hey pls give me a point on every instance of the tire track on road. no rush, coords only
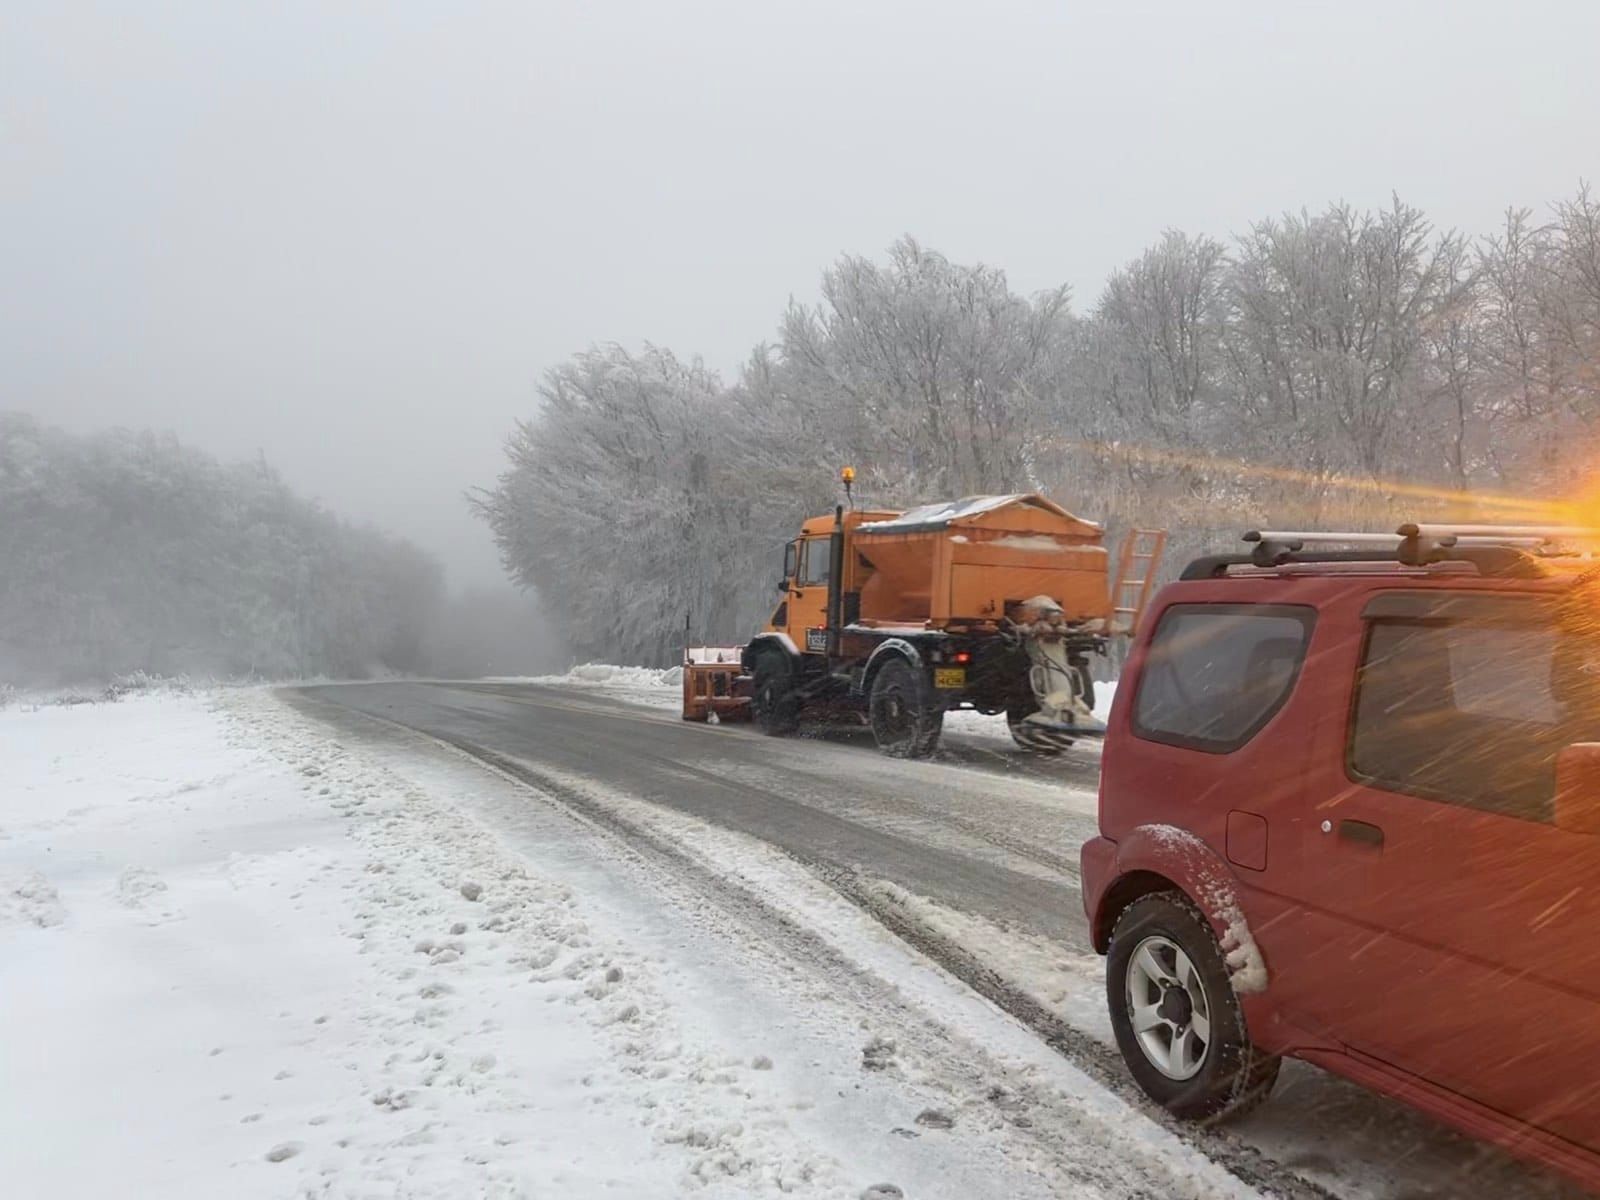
(1095, 1060)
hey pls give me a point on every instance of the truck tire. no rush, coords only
(905, 716)
(772, 699)
(1175, 1015)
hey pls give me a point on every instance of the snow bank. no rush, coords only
(616, 676)
(250, 962)
(1068, 983)
(254, 958)
(655, 685)
(923, 1032)
(137, 683)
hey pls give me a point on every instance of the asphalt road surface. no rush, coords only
(984, 829)
(1000, 841)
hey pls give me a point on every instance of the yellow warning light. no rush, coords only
(847, 474)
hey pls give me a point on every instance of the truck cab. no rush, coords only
(802, 612)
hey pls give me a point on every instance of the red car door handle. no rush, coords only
(1361, 831)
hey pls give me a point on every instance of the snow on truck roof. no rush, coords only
(949, 512)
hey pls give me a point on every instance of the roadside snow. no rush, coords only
(659, 687)
(970, 1063)
(1067, 983)
(251, 969)
(254, 958)
(251, 956)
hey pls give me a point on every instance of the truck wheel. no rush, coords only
(776, 708)
(906, 719)
(1175, 1015)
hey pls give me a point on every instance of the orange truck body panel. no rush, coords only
(967, 571)
(960, 564)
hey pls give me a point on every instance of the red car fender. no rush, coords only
(1148, 854)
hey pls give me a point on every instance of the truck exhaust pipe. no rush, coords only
(836, 580)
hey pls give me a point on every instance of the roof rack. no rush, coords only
(1506, 550)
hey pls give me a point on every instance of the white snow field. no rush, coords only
(242, 955)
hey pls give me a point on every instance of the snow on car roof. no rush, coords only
(937, 516)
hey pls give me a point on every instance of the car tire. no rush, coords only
(772, 700)
(905, 716)
(1176, 1018)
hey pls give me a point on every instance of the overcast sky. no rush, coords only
(352, 236)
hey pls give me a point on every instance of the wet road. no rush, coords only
(1000, 841)
(983, 829)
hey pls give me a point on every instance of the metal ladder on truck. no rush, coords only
(1136, 576)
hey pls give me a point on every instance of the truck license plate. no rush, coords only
(950, 677)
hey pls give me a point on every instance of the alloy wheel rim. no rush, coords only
(1168, 1008)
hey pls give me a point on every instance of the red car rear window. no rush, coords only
(1215, 674)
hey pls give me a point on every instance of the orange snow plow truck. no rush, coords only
(991, 603)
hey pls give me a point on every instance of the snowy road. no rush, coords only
(970, 859)
(505, 940)
(1005, 849)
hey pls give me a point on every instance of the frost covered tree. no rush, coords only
(1147, 373)
(935, 377)
(1578, 298)
(1453, 345)
(1163, 318)
(626, 502)
(1329, 312)
(1338, 367)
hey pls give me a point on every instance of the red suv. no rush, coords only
(1350, 812)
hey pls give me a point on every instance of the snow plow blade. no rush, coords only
(715, 687)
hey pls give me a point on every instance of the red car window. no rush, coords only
(1215, 674)
(1467, 711)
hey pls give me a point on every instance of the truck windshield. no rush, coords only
(816, 562)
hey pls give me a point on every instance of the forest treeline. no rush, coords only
(1338, 368)
(125, 552)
